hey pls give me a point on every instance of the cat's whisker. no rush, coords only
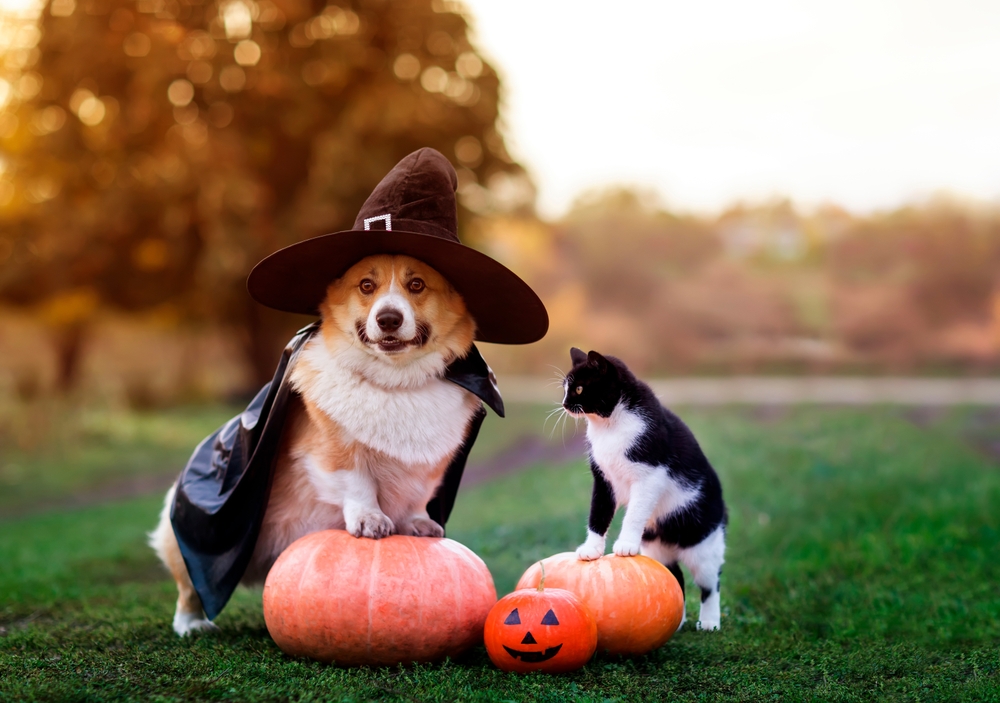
(548, 417)
(555, 425)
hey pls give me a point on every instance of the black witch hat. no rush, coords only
(412, 212)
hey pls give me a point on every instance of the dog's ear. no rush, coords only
(577, 356)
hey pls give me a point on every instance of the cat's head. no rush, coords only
(593, 386)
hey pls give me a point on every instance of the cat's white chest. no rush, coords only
(610, 439)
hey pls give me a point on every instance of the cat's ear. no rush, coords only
(577, 356)
(598, 362)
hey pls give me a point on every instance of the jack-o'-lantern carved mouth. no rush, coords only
(533, 657)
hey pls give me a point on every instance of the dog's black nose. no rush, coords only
(389, 320)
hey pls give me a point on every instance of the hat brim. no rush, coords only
(296, 278)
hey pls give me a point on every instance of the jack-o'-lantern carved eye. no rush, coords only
(550, 618)
(513, 619)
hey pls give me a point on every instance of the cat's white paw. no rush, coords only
(423, 527)
(624, 548)
(589, 552)
(187, 623)
(708, 624)
(373, 523)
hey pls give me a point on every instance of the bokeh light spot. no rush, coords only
(180, 92)
(247, 53)
(186, 115)
(469, 151)
(232, 79)
(29, 85)
(468, 65)
(136, 44)
(91, 111)
(62, 8)
(198, 45)
(434, 79)
(48, 120)
(406, 67)
(237, 20)
(440, 44)
(42, 189)
(6, 93)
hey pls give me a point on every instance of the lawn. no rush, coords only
(863, 564)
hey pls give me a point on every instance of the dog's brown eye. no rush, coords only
(367, 286)
(416, 285)
(579, 390)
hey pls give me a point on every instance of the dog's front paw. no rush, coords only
(624, 548)
(589, 552)
(374, 524)
(187, 623)
(423, 527)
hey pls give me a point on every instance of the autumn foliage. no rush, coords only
(151, 151)
(155, 150)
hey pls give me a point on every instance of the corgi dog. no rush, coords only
(376, 424)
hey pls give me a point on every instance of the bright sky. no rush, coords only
(868, 103)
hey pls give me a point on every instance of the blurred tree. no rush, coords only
(171, 144)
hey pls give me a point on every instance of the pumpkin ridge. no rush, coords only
(372, 579)
(310, 561)
(421, 578)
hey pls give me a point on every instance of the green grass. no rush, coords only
(863, 564)
(51, 452)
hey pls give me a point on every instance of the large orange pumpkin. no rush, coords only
(636, 601)
(334, 597)
(540, 629)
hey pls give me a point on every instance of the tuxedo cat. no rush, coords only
(644, 457)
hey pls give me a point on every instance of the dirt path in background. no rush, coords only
(982, 432)
(104, 493)
(524, 452)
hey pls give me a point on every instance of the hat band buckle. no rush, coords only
(387, 218)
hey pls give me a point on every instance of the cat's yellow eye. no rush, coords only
(579, 390)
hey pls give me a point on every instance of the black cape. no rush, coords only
(222, 493)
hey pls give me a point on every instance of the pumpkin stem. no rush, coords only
(541, 582)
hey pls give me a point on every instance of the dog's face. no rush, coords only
(398, 309)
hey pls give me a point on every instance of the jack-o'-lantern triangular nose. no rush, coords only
(528, 639)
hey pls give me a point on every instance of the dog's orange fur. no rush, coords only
(313, 438)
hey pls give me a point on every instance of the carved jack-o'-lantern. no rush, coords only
(540, 630)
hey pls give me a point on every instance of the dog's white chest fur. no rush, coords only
(422, 425)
